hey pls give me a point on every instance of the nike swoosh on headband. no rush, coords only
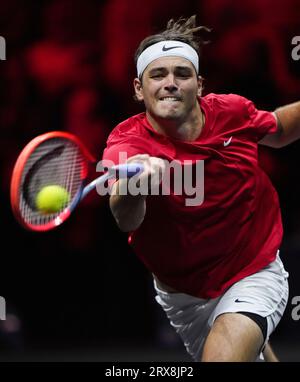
(237, 300)
(165, 49)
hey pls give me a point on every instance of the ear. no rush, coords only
(200, 86)
(138, 88)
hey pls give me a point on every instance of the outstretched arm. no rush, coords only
(288, 121)
(129, 210)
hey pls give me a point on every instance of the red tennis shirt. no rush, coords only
(202, 250)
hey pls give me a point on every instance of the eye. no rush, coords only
(156, 76)
(184, 75)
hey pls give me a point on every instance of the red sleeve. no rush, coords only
(117, 152)
(263, 122)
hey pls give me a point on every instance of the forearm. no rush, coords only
(289, 123)
(129, 211)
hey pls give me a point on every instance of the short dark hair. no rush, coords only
(184, 30)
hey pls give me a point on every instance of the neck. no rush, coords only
(187, 130)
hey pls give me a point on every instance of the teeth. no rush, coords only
(169, 99)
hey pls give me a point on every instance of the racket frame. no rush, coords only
(18, 174)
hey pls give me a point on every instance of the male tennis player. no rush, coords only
(216, 265)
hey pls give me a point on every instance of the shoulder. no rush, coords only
(129, 128)
(225, 102)
(129, 135)
(227, 112)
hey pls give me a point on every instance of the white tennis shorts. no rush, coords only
(264, 293)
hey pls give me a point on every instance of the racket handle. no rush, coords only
(120, 171)
(126, 170)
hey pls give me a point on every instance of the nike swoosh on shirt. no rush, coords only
(165, 49)
(237, 300)
(226, 143)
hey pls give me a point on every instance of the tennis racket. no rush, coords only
(60, 159)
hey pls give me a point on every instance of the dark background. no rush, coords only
(79, 293)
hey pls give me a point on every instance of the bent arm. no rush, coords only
(288, 122)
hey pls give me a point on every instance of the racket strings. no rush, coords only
(54, 162)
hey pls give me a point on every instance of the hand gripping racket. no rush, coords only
(60, 159)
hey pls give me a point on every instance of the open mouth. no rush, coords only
(170, 99)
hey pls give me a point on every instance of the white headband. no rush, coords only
(165, 49)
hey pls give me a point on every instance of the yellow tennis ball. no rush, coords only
(51, 199)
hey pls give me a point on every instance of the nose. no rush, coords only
(170, 84)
